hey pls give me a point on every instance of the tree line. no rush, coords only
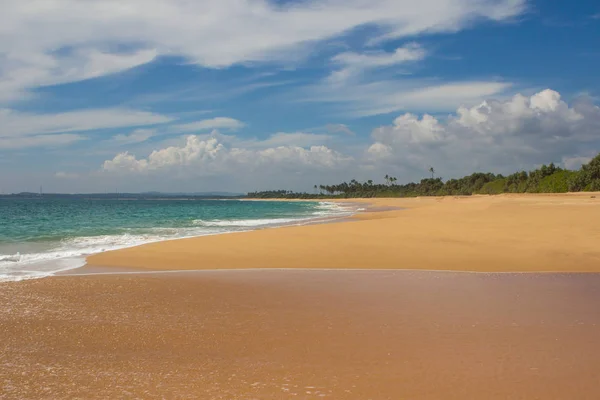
(546, 179)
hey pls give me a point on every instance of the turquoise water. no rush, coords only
(39, 237)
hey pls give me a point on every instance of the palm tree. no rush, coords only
(315, 187)
(387, 179)
(432, 171)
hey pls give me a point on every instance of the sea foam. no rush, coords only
(70, 253)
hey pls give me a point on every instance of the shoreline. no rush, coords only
(93, 270)
(63, 264)
(315, 220)
(506, 233)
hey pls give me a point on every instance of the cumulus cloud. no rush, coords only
(70, 40)
(497, 135)
(501, 136)
(410, 129)
(209, 156)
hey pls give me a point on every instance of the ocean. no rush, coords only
(40, 237)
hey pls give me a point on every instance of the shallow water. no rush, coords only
(39, 237)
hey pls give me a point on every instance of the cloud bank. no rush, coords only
(201, 158)
(499, 136)
(502, 136)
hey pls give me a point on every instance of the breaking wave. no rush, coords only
(46, 259)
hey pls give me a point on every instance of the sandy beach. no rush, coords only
(481, 233)
(266, 315)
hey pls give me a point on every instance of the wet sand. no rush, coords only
(302, 335)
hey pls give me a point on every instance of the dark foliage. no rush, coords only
(546, 179)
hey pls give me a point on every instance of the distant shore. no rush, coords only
(505, 233)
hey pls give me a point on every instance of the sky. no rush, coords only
(242, 95)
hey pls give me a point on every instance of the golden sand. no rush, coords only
(343, 335)
(479, 233)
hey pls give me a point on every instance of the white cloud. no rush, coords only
(408, 128)
(365, 98)
(357, 91)
(447, 14)
(67, 40)
(374, 59)
(47, 141)
(208, 124)
(339, 128)
(14, 123)
(137, 136)
(97, 63)
(352, 63)
(542, 112)
(501, 136)
(296, 139)
(209, 156)
(379, 151)
(23, 70)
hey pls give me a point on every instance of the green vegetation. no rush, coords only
(494, 187)
(546, 179)
(557, 182)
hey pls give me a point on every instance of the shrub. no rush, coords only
(493, 187)
(594, 186)
(558, 182)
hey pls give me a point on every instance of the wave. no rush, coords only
(11, 258)
(248, 222)
(70, 253)
(323, 209)
(336, 209)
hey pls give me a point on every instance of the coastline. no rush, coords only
(506, 233)
(317, 329)
(43, 259)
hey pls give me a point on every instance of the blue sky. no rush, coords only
(241, 95)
